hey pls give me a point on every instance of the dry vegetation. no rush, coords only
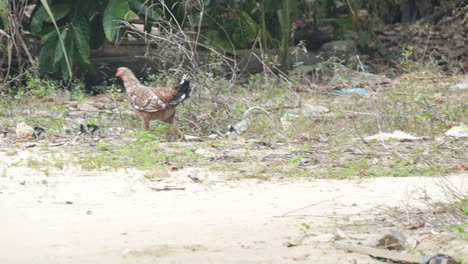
(283, 139)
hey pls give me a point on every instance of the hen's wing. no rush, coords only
(145, 99)
(151, 99)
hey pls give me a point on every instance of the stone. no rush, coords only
(205, 153)
(397, 240)
(87, 107)
(11, 152)
(310, 110)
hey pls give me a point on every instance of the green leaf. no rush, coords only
(38, 19)
(363, 38)
(47, 51)
(144, 10)
(81, 35)
(88, 7)
(41, 16)
(59, 11)
(115, 10)
(51, 15)
(59, 50)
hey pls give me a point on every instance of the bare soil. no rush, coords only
(71, 215)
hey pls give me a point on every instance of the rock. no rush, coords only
(73, 104)
(76, 114)
(205, 153)
(369, 240)
(239, 128)
(11, 152)
(342, 49)
(364, 78)
(87, 107)
(396, 240)
(213, 136)
(345, 77)
(340, 234)
(322, 238)
(310, 110)
(190, 138)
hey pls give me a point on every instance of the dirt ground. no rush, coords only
(72, 215)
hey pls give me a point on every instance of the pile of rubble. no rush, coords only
(445, 41)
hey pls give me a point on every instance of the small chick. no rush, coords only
(24, 131)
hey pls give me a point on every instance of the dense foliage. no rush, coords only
(69, 29)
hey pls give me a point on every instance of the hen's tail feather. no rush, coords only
(183, 90)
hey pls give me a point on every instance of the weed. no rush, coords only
(305, 228)
(462, 230)
(78, 91)
(405, 60)
(39, 88)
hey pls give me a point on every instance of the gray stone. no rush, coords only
(321, 238)
(342, 49)
(308, 109)
(396, 240)
(11, 152)
(87, 107)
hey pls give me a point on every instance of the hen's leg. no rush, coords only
(173, 129)
(145, 124)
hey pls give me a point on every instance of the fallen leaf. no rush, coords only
(301, 257)
(289, 244)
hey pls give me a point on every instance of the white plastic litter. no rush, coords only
(396, 135)
(458, 132)
(459, 86)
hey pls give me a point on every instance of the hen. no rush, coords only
(154, 103)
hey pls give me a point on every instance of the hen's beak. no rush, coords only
(119, 73)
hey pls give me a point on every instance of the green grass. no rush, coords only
(143, 153)
(321, 144)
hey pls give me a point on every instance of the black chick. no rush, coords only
(38, 131)
(310, 34)
(92, 128)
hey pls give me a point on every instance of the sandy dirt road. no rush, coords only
(74, 216)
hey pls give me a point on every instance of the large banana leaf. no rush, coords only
(61, 41)
(116, 10)
(81, 36)
(59, 11)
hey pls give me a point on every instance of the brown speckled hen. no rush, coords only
(152, 103)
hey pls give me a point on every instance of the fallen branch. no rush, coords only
(167, 188)
(387, 254)
(310, 205)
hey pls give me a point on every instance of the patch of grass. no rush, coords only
(394, 168)
(142, 152)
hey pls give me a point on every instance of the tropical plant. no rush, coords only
(69, 29)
